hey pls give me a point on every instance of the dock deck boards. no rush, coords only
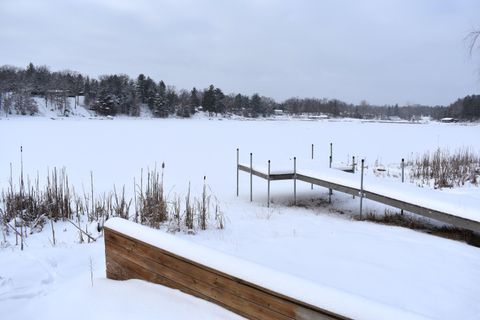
(349, 186)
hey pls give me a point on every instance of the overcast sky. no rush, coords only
(381, 51)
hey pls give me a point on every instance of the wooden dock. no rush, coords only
(128, 257)
(452, 218)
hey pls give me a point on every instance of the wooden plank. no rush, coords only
(134, 247)
(198, 288)
(224, 283)
(131, 270)
(240, 296)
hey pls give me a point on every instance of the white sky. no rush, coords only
(382, 51)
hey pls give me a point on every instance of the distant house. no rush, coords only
(448, 120)
(318, 117)
(394, 118)
(278, 112)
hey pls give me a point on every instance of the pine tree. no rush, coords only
(194, 100)
(219, 106)
(257, 106)
(140, 88)
(160, 108)
(106, 105)
(208, 101)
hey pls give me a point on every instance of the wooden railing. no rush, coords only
(131, 258)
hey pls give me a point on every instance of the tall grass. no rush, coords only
(444, 169)
(26, 209)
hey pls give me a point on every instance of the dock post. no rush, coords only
(403, 170)
(353, 168)
(295, 180)
(311, 185)
(403, 178)
(330, 166)
(361, 189)
(268, 190)
(238, 162)
(251, 178)
(331, 154)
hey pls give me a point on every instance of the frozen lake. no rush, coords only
(413, 271)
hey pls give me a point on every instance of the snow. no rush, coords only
(460, 205)
(463, 205)
(51, 111)
(401, 269)
(327, 298)
(44, 282)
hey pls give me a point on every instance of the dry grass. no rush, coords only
(29, 207)
(445, 169)
(420, 224)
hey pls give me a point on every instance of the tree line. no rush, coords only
(120, 94)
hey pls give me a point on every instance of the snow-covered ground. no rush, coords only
(415, 272)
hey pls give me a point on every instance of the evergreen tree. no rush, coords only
(171, 98)
(87, 92)
(106, 105)
(219, 106)
(140, 88)
(208, 101)
(257, 106)
(162, 88)
(194, 100)
(160, 109)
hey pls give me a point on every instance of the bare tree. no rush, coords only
(473, 39)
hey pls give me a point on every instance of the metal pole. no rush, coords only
(251, 178)
(353, 169)
(403, 178)
(311, 185)
(295, 180)
(330, 166)
(403, 170)
(331, 154)
(361, 189)
(268, 192)
(238, 162)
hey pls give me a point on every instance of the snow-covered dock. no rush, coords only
(462, 211)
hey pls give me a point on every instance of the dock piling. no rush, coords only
(311, 185)
(238, 174)
(361, 188)
(403, 178)
(295, 180)
(251, 178)
(268, 190)
(330, 166)
(331, 154)
(353, 168)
